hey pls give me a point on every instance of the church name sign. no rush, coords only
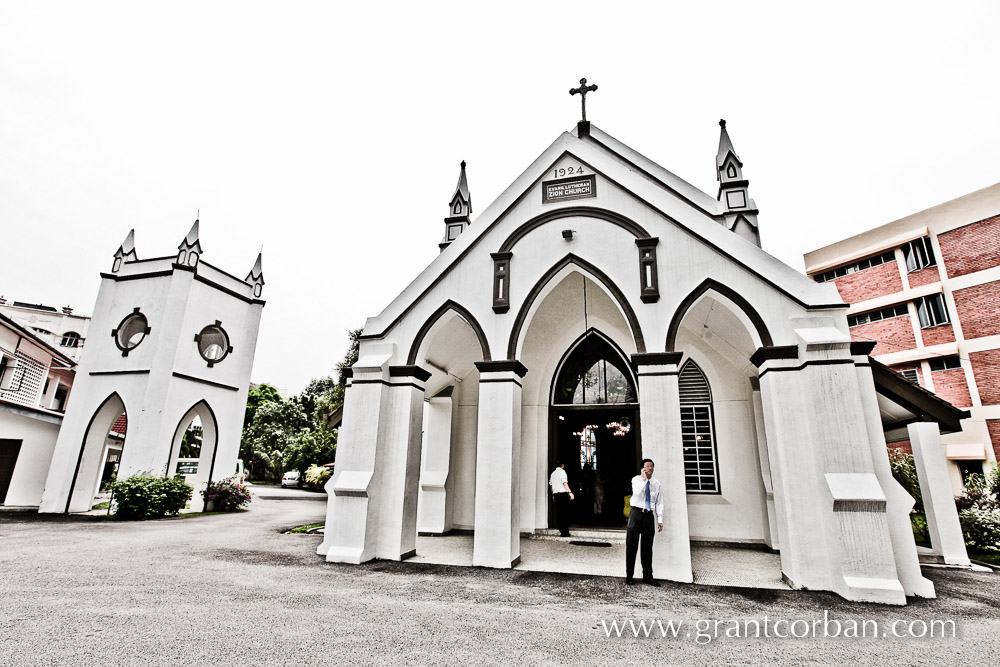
(563, 189)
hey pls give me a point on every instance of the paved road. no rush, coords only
(233, 589)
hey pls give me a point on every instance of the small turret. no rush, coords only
(459, 210)
(189, 251)
(741, 211)
(256, 277)
(125, 252)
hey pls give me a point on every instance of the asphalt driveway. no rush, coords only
(235, 589)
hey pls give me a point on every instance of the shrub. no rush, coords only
(918, 522)
(905, 472)
(981, 527)
(143, 496)
(316, 476)
(228, 494)
(977, 494)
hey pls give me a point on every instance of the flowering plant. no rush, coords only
(228, 494)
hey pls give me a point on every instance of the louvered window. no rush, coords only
(701, 473)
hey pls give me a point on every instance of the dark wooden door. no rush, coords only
(8, 459)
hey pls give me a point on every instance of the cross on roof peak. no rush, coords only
(583, 90)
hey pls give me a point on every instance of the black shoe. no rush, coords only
(564, 535)
(630, 581)
(652, 582)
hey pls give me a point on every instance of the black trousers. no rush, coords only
(562, 512)
(641, 527)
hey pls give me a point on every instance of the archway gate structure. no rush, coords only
(448, 415)
(172, 338)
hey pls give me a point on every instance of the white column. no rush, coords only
(898, 501)
(351, 523)
(769, 512)
(497, 539)
(432, 516)
(398, 463)
(831, 508)
(939, 503)
(660, 429)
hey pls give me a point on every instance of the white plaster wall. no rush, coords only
(735, 513)
(461, 485)
(38, 438)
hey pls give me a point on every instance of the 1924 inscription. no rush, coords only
(569, 188)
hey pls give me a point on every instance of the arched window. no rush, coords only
(70, 339)
(594, 374)
(701, 471)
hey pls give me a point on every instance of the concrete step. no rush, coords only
(589, 535)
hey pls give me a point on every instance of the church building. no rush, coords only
(602, 310)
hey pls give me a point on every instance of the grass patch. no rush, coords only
(991, 556)
(102, 506)
(307, 528)
(262, 482)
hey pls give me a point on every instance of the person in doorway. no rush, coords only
(562, 496)
(647, 503)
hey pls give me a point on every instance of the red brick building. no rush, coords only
(926, 289)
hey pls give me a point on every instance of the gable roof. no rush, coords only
(673, 198)
(56, 354)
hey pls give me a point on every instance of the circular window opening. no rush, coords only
(213, 343)
(131, 332)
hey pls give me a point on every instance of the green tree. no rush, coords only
(276, 425)
(315, 446)
(350, 358)
(314, 392)
(257, 396)
(905, 471)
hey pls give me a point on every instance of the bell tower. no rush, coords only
(171, 344)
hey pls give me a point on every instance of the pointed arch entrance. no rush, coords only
(594, 428)
(103, 442)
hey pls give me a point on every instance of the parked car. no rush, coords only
(292, 478)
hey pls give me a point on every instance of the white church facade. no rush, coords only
(601, 311)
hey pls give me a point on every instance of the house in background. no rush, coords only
(63, 330)
(926, 290)
(36, 379)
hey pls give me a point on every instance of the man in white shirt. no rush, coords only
(647, 501)
(561, 495)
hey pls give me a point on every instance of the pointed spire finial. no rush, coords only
(128, 245)
(256, 276)
(740, 211)
(189, 251)
(459, 210)
(125, 252)
(192, 236)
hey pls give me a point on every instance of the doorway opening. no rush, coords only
(595, 431)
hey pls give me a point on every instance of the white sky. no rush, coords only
(331, 134)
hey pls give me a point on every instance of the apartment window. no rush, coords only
(861, 265)
(70, 339)
(910, 374)
(945, 363)
(919, 254)
(874, 316)
(967, 468)
(932, 311)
